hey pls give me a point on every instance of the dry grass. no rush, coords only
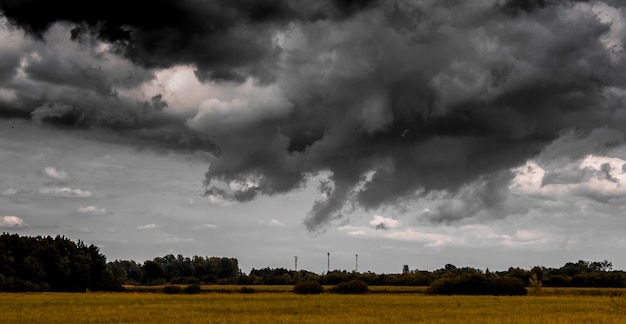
(290, 308)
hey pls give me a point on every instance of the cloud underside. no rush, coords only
(391, 102)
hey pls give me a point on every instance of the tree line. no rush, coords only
(52, 264)
(177, 270)
(579, 274)
(59, 264)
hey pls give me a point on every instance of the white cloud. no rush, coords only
(407, 234)
(272, 223)
(81, 229)
(188, 202)
(11, 222)
(381, 222)
(430, 239)
(179, 86)
(214, 102)
(204, 226)
(56, 192)
(596, 177)
(613, 18)
(93, 211)
(527, 237)
(11, 192)
(64, 192)
(7, 95)
(175, 240)
(486, 235)
(218, 201)
(55, 174)
(252, 104)
(483, 232)
(146, 227)
(357, 233)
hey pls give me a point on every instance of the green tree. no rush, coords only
(152, 272)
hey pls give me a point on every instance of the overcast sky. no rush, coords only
(422, 132)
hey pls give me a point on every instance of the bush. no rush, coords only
(246, 290)
(192, 289)
(507, 286)
(172, 290)
(476, 284)
(308, 288)
(351, 287)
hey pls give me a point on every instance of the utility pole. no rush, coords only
(328, 262)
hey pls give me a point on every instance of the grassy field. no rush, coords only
(289, 308)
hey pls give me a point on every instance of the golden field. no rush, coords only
(284, 307)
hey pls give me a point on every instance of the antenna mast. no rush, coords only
(356, 269)
(296, 262)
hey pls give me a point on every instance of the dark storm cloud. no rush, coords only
(142, 124)
(388, 99)
(349, 7)
(77, 84)
(218, 36)
(407, 98)
(225, 40)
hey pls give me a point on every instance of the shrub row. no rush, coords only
(354, 287)
(308, 288)
(314, 287)
(191, 289)
(476, 284)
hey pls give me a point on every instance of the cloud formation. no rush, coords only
(411, 99)
(383, 223)
(56, 176)
(11, 222)
(47, 192)
(205, 226)
(391, 101)
(85, 85)
(272, 223)
(92, 211)
(147, 227)
(64, 192)
(225, 40)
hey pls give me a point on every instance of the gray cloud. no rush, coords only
(434, 101)
(75, 85)
(486, 198)
(391, 100)
(226, 40)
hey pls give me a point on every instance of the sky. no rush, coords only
(478, 133)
